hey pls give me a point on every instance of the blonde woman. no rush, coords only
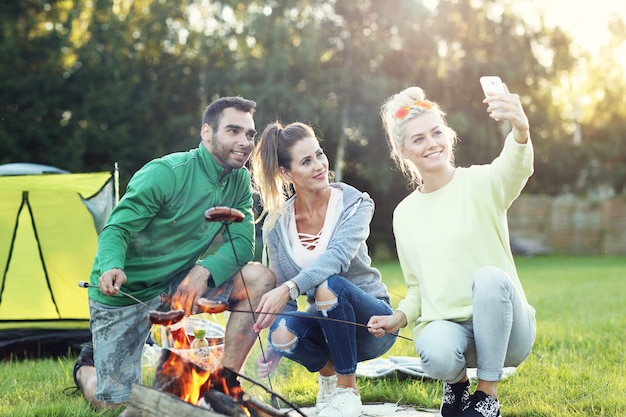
(464, 297)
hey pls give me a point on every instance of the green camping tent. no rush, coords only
(49, 225)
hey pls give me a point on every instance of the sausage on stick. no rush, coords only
(223, 214)
(165, 318)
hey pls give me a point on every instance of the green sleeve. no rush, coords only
(144, 197)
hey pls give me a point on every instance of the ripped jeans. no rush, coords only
(317, 340)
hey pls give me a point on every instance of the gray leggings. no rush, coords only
(501, 333)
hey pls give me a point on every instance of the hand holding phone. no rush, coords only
(492, 84)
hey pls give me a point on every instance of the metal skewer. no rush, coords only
(84, 284)
(318, 318)
(228, 215)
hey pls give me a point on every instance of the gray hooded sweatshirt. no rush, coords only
(346, 254)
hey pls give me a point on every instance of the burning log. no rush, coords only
(227, 405)
(178, 376)
(149, 402)
(224, 404)
(177, 380)
(259, 408)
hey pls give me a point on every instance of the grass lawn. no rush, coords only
(577, 367)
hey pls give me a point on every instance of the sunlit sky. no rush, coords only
(586, 21)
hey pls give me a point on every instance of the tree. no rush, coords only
(135, 85)
(90, 84)
(604, 118)
(95, 84)
(33, 91)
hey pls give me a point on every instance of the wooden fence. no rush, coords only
(569, 225)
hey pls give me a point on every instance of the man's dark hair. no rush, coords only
(213, 112)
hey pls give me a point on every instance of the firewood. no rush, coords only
(174, 373)
(223, 403)
(260, 408)
(148, 402)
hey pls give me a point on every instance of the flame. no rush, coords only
(189, 381)
(177, 305)
(182, 378)
(236, 392)
(180, 338)
(220, 383)
(190, 373)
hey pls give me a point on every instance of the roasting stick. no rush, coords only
(165, 318)
(84, 284)
(207, 307)
(322, 318)
(228, 215)
(286, 401)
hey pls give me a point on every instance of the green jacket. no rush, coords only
(158, 228)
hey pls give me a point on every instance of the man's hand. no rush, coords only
(191, 289)
(111, 281)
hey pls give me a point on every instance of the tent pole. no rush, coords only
(116, 183)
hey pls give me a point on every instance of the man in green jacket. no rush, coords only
(154, 247)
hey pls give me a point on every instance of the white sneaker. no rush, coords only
(325, 387)
(344, 403)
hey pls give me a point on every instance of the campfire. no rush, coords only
(193, 380)
(217, 390)
(183, 389)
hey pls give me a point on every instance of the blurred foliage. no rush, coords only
(88, 84)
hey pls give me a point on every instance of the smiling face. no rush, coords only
(309, 165)
(427, 144)
(233, 141)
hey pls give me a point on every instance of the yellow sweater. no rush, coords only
(444, 237)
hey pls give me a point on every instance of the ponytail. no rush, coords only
(270, 155)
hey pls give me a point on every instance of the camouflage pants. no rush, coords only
(118, 335)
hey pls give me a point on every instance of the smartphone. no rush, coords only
(492, 84)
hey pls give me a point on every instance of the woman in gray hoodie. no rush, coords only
(315, 236)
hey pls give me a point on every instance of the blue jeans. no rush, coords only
(501, 333)
(345, 344)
